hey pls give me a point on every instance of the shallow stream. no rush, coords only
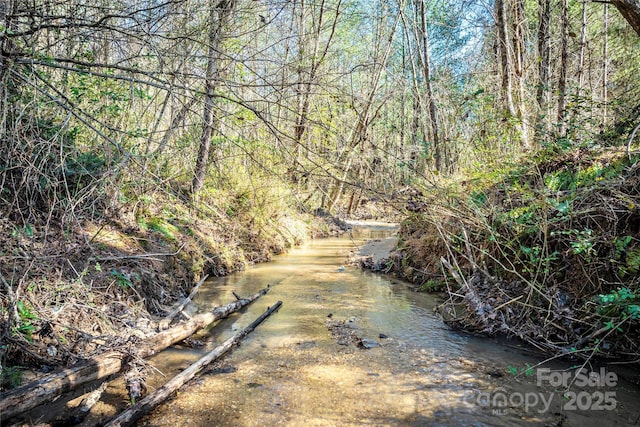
(292, 371)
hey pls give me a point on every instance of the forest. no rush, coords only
(146, 144)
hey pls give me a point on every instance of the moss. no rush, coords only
(432, 285)
(163, 227)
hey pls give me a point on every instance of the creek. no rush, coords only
(292, 371)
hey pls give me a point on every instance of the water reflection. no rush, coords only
(313, 282)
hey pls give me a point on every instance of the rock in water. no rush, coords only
(367, 343)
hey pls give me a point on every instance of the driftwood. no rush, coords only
(144, 406)
(164, 324)
(44, 390)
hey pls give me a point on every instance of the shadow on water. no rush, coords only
(291, 371)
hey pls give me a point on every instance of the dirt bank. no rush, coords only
(547, 250)
(71, 292)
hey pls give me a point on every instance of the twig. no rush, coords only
(13, 303)
(164, 324)
(474, 266)
(452, 271)
(597, 346)
(508, 302)
(633, 135)
(140, 256)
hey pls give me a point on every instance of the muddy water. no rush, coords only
(292, 371)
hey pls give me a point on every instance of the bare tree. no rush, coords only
(544, 65)
(605, 61)
(505, 62)
(564, 65)
(519, 68)
(364, 115)
(430, 104)
(583, 47)
(511, 47)
(219, 13)
(307, 77)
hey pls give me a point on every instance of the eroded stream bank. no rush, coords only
(292, 371)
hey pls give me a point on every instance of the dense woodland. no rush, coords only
(503, 134)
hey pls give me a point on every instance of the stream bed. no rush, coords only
(293, 371)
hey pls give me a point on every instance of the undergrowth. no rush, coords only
(71, 292)
(546, 249)
(82, 275)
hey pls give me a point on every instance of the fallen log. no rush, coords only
(30, 395)
(164, 324)
(144, 406)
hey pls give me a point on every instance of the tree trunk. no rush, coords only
(416, 145)
(351, 203)
(583, 46)
(6, 47)
(519, 57)
(400, 151)
(438, 153)
(300, 85)
(219, 11)
(564, 63)
(605, 63)
(49, 387)
(307, 80)
(544, 66)
(630, 9)
(503, 46)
